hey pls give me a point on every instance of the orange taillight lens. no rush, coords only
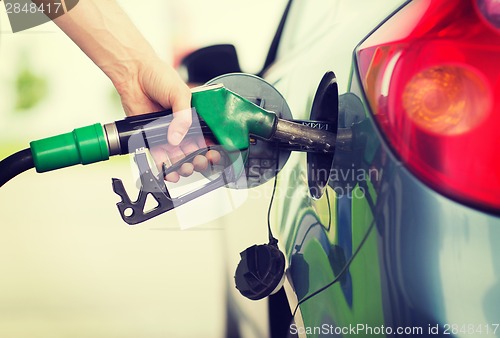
(447, 99)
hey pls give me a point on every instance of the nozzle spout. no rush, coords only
(299, 134)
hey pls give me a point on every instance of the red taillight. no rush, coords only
(431, 74)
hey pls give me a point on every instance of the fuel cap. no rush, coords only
(260, 272)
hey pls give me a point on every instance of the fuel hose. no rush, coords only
(15, 164)
(81, 146)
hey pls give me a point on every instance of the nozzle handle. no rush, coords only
(226, 116)
(152, 128)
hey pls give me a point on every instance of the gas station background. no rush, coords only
(70, 266)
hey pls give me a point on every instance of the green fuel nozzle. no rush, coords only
(228, 117)
(232, 121)
(225, 115)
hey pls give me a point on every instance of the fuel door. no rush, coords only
(324, 115)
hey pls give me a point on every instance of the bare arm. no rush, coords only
(145, 83)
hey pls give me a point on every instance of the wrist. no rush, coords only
(124, 72)
(127, 77)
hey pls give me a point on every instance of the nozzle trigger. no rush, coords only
(133, 212)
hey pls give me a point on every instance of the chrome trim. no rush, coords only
(112, 138)
(293, 301)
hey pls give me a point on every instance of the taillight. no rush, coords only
(431, 74)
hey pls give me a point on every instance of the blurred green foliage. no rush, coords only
(31, 88)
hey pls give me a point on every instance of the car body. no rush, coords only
(397, 243)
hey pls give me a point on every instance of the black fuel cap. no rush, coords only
(260, 271)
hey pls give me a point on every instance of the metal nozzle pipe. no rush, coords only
(303, 135)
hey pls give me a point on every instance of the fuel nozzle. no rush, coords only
(302, 135)
(228, 117)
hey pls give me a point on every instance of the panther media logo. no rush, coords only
(25, 14)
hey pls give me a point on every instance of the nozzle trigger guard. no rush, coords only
(133, 212)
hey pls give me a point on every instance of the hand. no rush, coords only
(168, 153)
(157, 86)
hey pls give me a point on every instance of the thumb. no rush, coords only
(179, 126)
(180, 98)
(164, 86)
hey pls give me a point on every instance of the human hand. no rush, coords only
(166, 154)
(157, 86)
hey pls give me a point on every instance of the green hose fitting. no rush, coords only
(81, 146)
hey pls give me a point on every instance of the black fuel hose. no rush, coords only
(15, 164)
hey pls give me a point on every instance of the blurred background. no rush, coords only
(70, 267)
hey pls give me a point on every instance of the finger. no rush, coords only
(186, 169)
(160, 156)
(180, 97)
(179, 126)
(163, 85)
(200, 163)
(175, 153)
(189, 146)
(172, 177)
(167, 154)
(204, 142)
(213, 156)
(200, 141)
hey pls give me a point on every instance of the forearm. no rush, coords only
(118, 52)
(145, 83)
